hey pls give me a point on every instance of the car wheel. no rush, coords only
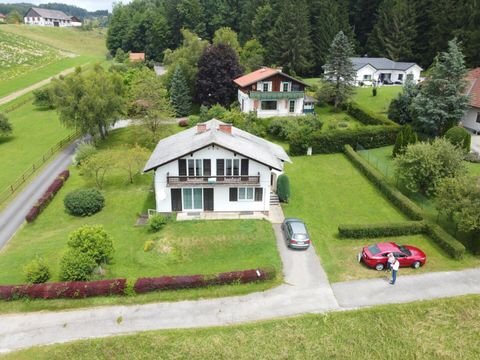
(416, 264)
(379, 267)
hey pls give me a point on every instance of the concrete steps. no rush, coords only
(274, 199)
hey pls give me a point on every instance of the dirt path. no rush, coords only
(39, 84)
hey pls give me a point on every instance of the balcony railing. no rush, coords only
(276, 95)
(212, 180)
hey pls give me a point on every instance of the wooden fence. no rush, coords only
(13, 187)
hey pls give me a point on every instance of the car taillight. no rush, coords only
(293, 241)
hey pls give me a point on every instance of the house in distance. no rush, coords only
(270, 92)
(47, 17)
(375, 71)
(471, 118)
(215, 167)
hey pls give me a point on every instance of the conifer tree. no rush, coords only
(180, 93)
(442, 102)
(339, 68)
(400, 107)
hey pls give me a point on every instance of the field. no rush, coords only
(30, 54)
(327, 191)
(376, 104)
(439, 329)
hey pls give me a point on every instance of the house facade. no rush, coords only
(3, 18)
(471, 118)
(75, 22)
(215, 167)
(376, 71)
(270, 92)
(47, 17)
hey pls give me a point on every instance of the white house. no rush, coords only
(75, 22)
(215, 167)
(372, 71)
(47, 17)
(270, 92)
(471, 118)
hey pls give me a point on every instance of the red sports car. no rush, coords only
(376, 256)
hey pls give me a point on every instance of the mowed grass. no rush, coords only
(34, 133)
(333, 120)
(439, 329)
(376, 104)
(327, 191)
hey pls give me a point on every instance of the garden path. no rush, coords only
(35, 86)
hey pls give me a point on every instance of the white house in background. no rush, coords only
(215, 167)
(270, 92)
(3, 18)
(471, 118)
(372, 71)
(75, 22)
(47, 17)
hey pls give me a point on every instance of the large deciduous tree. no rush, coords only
(442, 101)
(423, 165)
(217, 68)
(339, 68)
(226, 36)
(89, 102)
(252, 55)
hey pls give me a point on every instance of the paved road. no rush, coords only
(13, 216)
(35, 86)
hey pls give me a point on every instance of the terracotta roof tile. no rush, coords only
(255, 76)
(137, 56)
(473, 87)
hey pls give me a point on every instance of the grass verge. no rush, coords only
(439, 329)
(376, 104)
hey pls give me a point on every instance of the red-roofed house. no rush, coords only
(134, 57)
(471, 119)
(270, 92)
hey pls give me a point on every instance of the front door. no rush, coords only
(176, 199)
(208, 199)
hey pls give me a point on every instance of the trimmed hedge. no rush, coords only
(45, 199)
(407, 206)
(73, 289)
(335, 140)
(358, 231)
(144, 285)
(447, 242)
(366, 117)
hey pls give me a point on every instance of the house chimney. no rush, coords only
(201, 128)
(226, 128)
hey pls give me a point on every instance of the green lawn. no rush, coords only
(34, 133)
(336, 120)
(377, 104)
(439, 329)
(327, 191)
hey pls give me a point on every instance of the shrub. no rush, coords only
(447, 242)
(395, 196)
(43, 98)
(460, 138)
(84, 151)
(405, 137)
(283, 188)
(55, 186)
(65, 174)
(366, 117)
(36, 271)
(32, 214)
(92, 241)
(84, 202)
(335, 140)
(183, 123)
(374, 91)
(5, 126)
(76, 266)
(157, 222)
(378, 230)
(148, 245)
(193, 120)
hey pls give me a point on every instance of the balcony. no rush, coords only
(212, 180)
(276, 95)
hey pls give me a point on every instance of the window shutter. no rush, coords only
(207, 167)
(258, 194)
(233, 194)
(182, 167)
(220, 167)
(244, 170)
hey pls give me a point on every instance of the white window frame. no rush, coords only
(246, 194)
(262, 86)
(400, 77)
(195, 162)
(289, 86)
(367, 77)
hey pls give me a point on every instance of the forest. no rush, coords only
(297, 34)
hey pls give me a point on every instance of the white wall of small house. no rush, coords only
(469, 120)
(283, 106)
(221, 192)
(366, 70)
(375, 74)
(45, 21)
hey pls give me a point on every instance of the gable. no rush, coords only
(32, 13)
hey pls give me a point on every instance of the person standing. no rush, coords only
(395, 266)
(390, 261)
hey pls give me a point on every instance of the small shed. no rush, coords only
(137, 57)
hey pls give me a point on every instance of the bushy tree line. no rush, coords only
(297, 34)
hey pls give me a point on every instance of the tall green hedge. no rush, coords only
(366, 117)
(335, 140)
(459, 137)
(358, 231)
(283, 188)
(447, 242)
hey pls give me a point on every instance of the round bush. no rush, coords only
(76, 266)
(459, 137)
(84, 202)
(93, 241)
(36, 272)
(157, 222)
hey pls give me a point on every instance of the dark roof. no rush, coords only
(380, 63)
(50, 14)
(262, 74)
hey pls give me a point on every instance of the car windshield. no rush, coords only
(374, 250)
(404, 250)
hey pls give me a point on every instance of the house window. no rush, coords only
(410, 76)
(228, 167)
(285, 86)
(265, 87)
(192, 199)
(291, 106)
(195, 167)
(400, 77)
(269, 105)
(478, 118)
(367, 77)
(245, 194)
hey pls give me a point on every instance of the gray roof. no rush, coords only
(239, 141)
(51, 14)
(380, 63)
